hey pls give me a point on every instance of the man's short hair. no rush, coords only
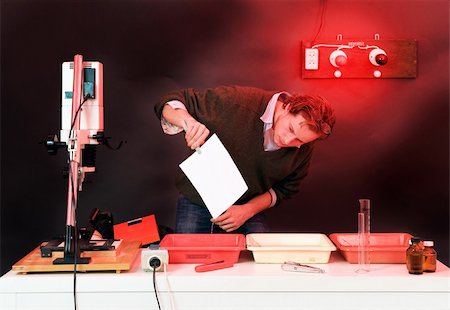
(315, 109)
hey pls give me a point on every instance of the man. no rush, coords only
(268, 134)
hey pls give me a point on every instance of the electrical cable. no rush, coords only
(342, 46)
(338, 46)
(368, 46)
(75, 241)
(75, 271)
(322, 13)
(169, 289)
(73, 190)
(154, 282)
(88, 96)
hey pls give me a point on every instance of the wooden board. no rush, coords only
(402, 59)
(123, 260)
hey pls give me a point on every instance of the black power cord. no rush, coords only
(88, 96)
(323, 4)
(73, 189)
(155, 262)
(75, 239)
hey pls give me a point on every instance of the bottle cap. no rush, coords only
(415, 240)
(428, 243)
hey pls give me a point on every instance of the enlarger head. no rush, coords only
(90, 114)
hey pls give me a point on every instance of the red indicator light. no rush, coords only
(381, 59)
(338, 58)
(341, 60)
(378, 57)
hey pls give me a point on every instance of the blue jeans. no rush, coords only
(194, 219)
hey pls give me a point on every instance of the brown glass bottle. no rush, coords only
(414, 257)
(429, 257)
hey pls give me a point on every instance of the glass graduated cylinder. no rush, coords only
(364, 236)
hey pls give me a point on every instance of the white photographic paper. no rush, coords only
(215, 176)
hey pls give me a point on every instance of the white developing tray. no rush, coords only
(297, 247)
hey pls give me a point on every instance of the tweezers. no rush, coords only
(293, 266)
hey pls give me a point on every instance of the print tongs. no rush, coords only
(293, 266)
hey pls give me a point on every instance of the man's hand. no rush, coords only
(233, 218)
(237, 215)
(196, 133)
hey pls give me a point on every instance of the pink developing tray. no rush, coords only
(385, 248)
(203, 248)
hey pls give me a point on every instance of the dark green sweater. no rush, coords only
(233, 113)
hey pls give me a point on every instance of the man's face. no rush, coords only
(291, 130)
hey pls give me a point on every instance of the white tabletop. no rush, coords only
(246, 284)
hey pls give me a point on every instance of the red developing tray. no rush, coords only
(203, 248)
(385, 248)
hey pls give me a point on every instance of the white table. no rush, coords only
(247, 285)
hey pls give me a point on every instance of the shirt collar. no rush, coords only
(267, 118)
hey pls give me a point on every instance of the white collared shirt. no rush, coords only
(267, 118)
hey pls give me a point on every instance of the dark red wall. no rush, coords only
(390, 143)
